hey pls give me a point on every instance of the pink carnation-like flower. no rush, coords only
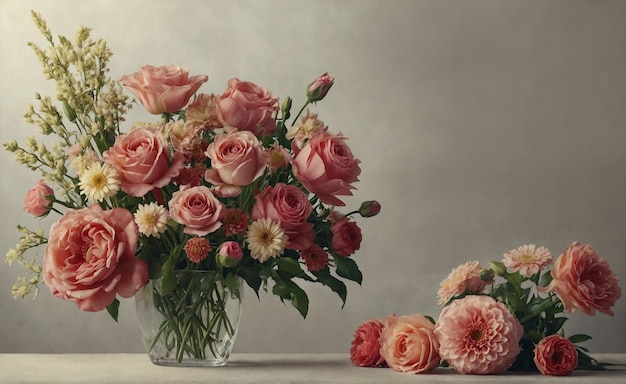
(235, 221)
(202, 112)
(556, 356)
(527, 259)
(314, 257)
(365, 347)
(478, 335)
(464, 277)
(197, 249)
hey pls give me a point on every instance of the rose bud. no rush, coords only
(369, 208)
(229, 254)
(318, 89)
(286, 107)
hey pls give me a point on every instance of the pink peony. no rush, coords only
(290, 207)
(478, 335)
(326, 167)
(35, 202)
(236, 161)
(142, 160)
(465, 277)
(197, 209)
(556, 356)
(365, 347)
(408, 344)
(90, 257)
(583, 280)
(245, 106)
(346, 237)
(163, 89)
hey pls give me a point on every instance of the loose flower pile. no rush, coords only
(505, 317)
(225, 184)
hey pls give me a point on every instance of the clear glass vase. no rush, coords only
(194, 324)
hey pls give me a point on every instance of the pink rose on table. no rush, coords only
(35, 202)
(556, 356)
(290, 207)
(245, 106)
(197, 209)
(408, 344)
(326, 167)
(583, 280)
(142, 161)
(365, 347)
(236, 160)
(346, 237)
(90, 257)
(163, 89)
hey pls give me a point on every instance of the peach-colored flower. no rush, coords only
(202, 112)
(197, 209)
(314, 257)
(301, 132)
(478, 335)
(163, 89)
(465, 277)
(277, 157)
(556, 356)
(583, 280)
(408, 344)
(35, 202)
(347, 237)
(90, 257)
(197, 249)
(365, 347)
(527, 259)
(151, 219)
(327, 168)
(184, 137)
(265, 239)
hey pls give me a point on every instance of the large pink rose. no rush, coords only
(408, 344)
(478, 335)
(365, 347)
(583, 280)
(197, 209)
(163, 89)
(236, 160)
(35, 201)
(326, 167)
(245, 106)
(346, 237)
(288, 206)
(556, 356)
(90, 257)
(142, 160)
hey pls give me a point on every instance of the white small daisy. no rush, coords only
(265, 239)
(99, 181)
(151, 219)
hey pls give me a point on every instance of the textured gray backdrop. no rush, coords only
(481, 125)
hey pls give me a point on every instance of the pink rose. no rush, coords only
(244, 106)
(236, 161)
(346, 237)
(583, 280)
(290, 207)
(326, 167)
(408, 344)
(90, 257)
(318, 89)
(197, 209)
(142, 161)
(229, 254)
(36, 203)
(365, 347)
(556, 356)
(163, 89)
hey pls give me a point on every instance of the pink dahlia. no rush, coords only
(464, 277)
(527, 259)
(478, 335)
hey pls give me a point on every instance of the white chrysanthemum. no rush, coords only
(265, 239)
(99, 181)
(151, 219)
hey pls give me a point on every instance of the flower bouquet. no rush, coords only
(179, 211)
(507, 316)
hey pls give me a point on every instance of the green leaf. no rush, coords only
(114, 309)
(333, 283)
(252, 278)
(232, 283)
(168, 280)
(555, 325)
(208, 280)
(579, 338)
(545, 279)
(348, 269)
(288, 290)
(290, 266)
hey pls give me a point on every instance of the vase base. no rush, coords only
(172, 362)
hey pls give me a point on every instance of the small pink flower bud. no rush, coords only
(229, 255)
(318, 89)
(369, 208)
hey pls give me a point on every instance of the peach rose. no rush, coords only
(35, 202)
(245, 106)
(90, 257)
(197, 209)
(290, 207)
(163, 89)
(142, 160)
(346, 237)
(556, 356)
(236, 160)
(583, 280)
(326, 167)
(365, 347)
(408, 344)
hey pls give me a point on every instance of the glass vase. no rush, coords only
(192, 324)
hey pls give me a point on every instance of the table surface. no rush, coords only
(257, 368)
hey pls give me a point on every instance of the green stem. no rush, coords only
(300, 112)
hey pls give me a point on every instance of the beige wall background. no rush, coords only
(481, 126)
